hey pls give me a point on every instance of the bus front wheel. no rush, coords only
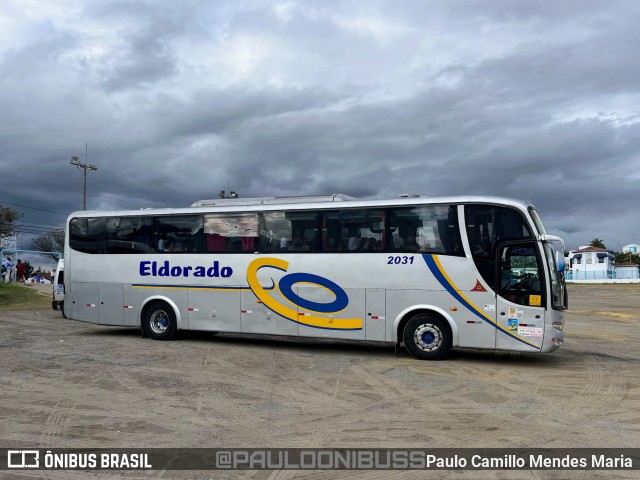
(159, 321)
(427, 337)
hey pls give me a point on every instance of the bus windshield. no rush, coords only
(555, 260)
(558, 297)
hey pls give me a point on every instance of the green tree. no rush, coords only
(597, 242)
(627, 258)
(52, 241)
(8, 219)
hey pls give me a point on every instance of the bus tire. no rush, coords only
(427, 337)
(159, 321)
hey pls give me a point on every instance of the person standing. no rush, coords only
(20, 271)
(8, 265)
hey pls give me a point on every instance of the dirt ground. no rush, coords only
(76, 385)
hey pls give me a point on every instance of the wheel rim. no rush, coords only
(428, 337)
(159, 321)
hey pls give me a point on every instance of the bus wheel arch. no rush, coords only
(159, 320)
(427, 334)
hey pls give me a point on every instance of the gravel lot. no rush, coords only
(71, 384)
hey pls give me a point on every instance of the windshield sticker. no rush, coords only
(516, 313)
(530, 331)
(535, 300)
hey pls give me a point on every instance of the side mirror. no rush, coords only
(560, 261)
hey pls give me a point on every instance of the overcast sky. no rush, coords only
(178, 100)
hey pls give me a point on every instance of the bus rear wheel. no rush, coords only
(427, 337)
(159, 321)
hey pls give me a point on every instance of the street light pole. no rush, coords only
(84, 168)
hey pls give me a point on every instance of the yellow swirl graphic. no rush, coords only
(302, 318)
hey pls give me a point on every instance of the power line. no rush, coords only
(36, 224)
(32, 232)
(26, 227)
(32, 208)
(34, 229)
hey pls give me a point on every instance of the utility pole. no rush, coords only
(84, 168)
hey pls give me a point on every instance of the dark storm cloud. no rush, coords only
(178, 100)
(143, 59)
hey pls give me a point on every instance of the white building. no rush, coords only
(591, 263)
(633, 248)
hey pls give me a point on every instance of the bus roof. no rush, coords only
(327, 202)
(232, 202)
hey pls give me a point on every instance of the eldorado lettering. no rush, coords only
(165, 269)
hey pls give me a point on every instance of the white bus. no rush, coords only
(430, 273)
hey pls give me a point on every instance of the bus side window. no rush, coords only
(231, 232)
(128, 235)
(178, 233)
(88, 235)
(215, 242)
(331, 232)
(292, 231)
(353, 230)
(427, 228)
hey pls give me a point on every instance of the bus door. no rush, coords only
(520, 297)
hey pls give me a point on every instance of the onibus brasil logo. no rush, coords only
(315, 314)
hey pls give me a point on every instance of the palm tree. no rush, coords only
(597, 242)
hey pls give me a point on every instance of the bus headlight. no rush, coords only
(558, 326)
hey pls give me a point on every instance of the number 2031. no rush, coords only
(399, 260)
